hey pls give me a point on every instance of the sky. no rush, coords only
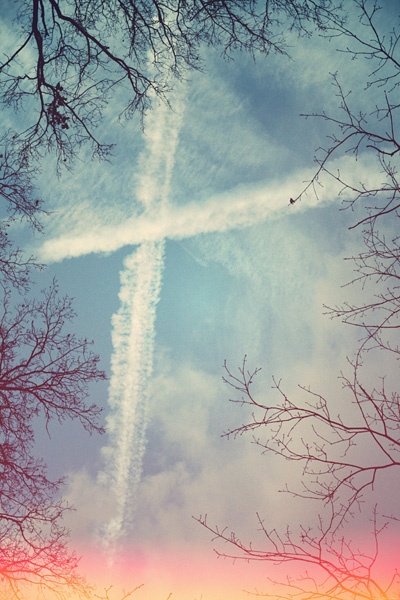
(183, 252)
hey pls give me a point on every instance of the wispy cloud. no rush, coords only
(162, 133)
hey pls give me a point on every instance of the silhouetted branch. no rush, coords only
(326, 444)
(335, 568)
(67, 62)
(44, 371)
(20, 204)
(357, 131)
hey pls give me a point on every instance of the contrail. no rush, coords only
(131, 367)
(215, 215)
(240, 207)
(134, 327)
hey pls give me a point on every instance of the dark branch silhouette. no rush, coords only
(44, 375)
(344, 456)
(336, 568)
(377, 274)
(357, 130)
(335, 473)
(21, 204)
(71, 59)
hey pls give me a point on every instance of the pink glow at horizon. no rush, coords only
(184, 573)
(188, 574)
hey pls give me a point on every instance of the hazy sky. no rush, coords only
(180, 253)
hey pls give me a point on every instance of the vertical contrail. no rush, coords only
(131, 366)
(134, 325)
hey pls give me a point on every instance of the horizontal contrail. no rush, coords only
(239, 208)
(163, 222)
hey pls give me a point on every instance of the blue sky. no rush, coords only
(203, 193)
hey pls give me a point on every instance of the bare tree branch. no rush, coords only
(44, 371)
(358, 131)
(69, 59)
(335, 567)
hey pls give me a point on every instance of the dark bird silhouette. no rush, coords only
(292, 201)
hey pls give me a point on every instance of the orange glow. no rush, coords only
(187, 574)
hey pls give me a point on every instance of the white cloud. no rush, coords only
(156, 163)
(192, 471)
(94, 504)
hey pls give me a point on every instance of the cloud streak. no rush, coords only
(131, 367)
(241, 207)
(217, 214)
(133, 329)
